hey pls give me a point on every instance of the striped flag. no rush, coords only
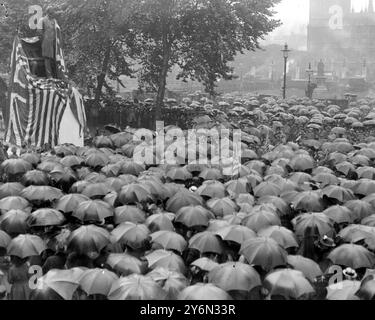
(36, 105)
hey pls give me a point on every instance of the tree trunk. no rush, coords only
(101, 77)
(163, 77)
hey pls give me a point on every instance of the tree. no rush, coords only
(98, 41)
(200, 36)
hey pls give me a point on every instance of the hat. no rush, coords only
(350, 274)
(325, 242)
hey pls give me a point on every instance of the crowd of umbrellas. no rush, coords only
(295, 221)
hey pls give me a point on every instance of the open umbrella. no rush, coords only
(234, 276)
(353, 256)
(26, 245)
(264, 252)
(281, 235)
(201, 291)
(136, 287)
(160, 221)
(205, 264)
(10, 189)
(260, 218)
(171, 281)
(365, 187)
(70, 202)
(339, 214)
(95, 190)
(194, 216)
(46, 217)
(183, 198)
(302, 162)
(235, 233)
(15, 222)
(4, 239)
(206, 242)
(169, 240)
(165, 259)
(315, 220)
(129, 214)
(222, 207)
(41, 193)
(63, 282)
(35, 177)
(96, 159)
(344, 290)
(134, 193)
(211, 174)
(131, 234)
(125, 264)
(16, 166)
(97, 281)
(87, 239)
(93, 210)
(309, 201)
(339, 193)
(212, 189)
(308, 267)
(267, 189)
(14, 203)
(288, 283)
(131, 167)
(360, 208)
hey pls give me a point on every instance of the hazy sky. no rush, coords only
(295, 15)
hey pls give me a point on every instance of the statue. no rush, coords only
(321, 72)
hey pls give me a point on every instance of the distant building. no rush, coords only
(336, 31)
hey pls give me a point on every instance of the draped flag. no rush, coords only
(36, 105)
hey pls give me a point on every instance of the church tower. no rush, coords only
(327, 23)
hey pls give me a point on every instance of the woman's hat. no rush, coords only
(325, 242)
(350, 274)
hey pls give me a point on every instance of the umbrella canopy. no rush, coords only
(236, 233)
(315, 220)
(360, 208)
(308, 267)
(26, 245)
(344, 290)
(136, 287)
(93, 210)
(14, 203)
(212, 189)
(35, 177)
(193, 216)
(309, 201)
(70, 202)
(183, 198)
(206, 242)
(160, 221)
(261, 218)
(201, 291)
(134, 193)
(97, 281)
(16, 166)
(234, 276)
(281, 235)
(10, 189)
(41, 193)
(96, 190)
(15, 222)
(125, 264)
(129, 214)
(169, 240)
(63, 282)
(87, 239)
(264, 252)
(205, 264)
(267, 189)
(46, 217)
(353, 256)
(172, 282)
(4, 239)
(288, 283)
(165, 259)
(131, 234)
(222, 207)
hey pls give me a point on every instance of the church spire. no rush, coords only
(371, 6)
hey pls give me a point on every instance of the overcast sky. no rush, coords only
(295, 15)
